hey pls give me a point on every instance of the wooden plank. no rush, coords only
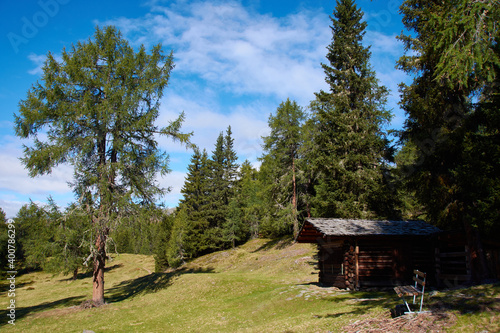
(376, 266)
(453, 254)
(417, 280)
(374, 256)
(407, 291)
(454, 277)
(375, 261)
(419, 273)
(357, 264)
(461, 263)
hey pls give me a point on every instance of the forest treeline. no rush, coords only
(332, 158)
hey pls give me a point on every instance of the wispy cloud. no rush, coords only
(238, 51)
(38, 60)
(248, 124)
(233, 67)
(14, 177)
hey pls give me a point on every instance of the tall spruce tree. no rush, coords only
(222, 180)
(280, 163)
(98, 107)
(351, 146)
(230, 165)
(216, 211)
(196, 199)
(195, 186)
(453, 115)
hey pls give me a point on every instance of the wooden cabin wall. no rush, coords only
(330, 263)
(389, 262)
(375, 262)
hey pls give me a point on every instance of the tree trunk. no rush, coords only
(294, 202)
(480, 271)
(99, 265)
(75, 274)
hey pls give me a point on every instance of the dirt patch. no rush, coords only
(57, 313)
(88, 304)
(435, 321)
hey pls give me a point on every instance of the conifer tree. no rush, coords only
(179, 247)
(222, 180)
(197, 195)
(195, 186)
(351, 146)
(4, 251)
(69, 250)
(98, 107)
(280, 160)
(234, 229)
(230, 166)
(248, 188)
(35, 234)
(216, 211)
(453, 115)
(163, 231)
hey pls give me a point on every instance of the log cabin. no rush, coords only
(355, 254)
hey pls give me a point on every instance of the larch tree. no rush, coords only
(248, 188)
(351, 145)
(96, 110)
(280, 160)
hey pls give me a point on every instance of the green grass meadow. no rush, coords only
(262, 286)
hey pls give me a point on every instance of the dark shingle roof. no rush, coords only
(354, 227)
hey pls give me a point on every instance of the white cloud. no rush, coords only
(248, 124)
(17, 187)
(11, 207)
(238, 51)
(233, 67)
(384, 44)
(38, 61)
(174, 180)
(14, 177)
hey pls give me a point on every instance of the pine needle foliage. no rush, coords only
(96, 110)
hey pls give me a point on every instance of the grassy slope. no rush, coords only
(262, 286)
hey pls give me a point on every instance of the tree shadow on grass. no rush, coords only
(124, 290)
(21, 312)
(464, 301)
(5, 286)
(468, 300)
(279, 244)
(361, 303)
(150, 283)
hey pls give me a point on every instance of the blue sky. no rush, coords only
(235, 62)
